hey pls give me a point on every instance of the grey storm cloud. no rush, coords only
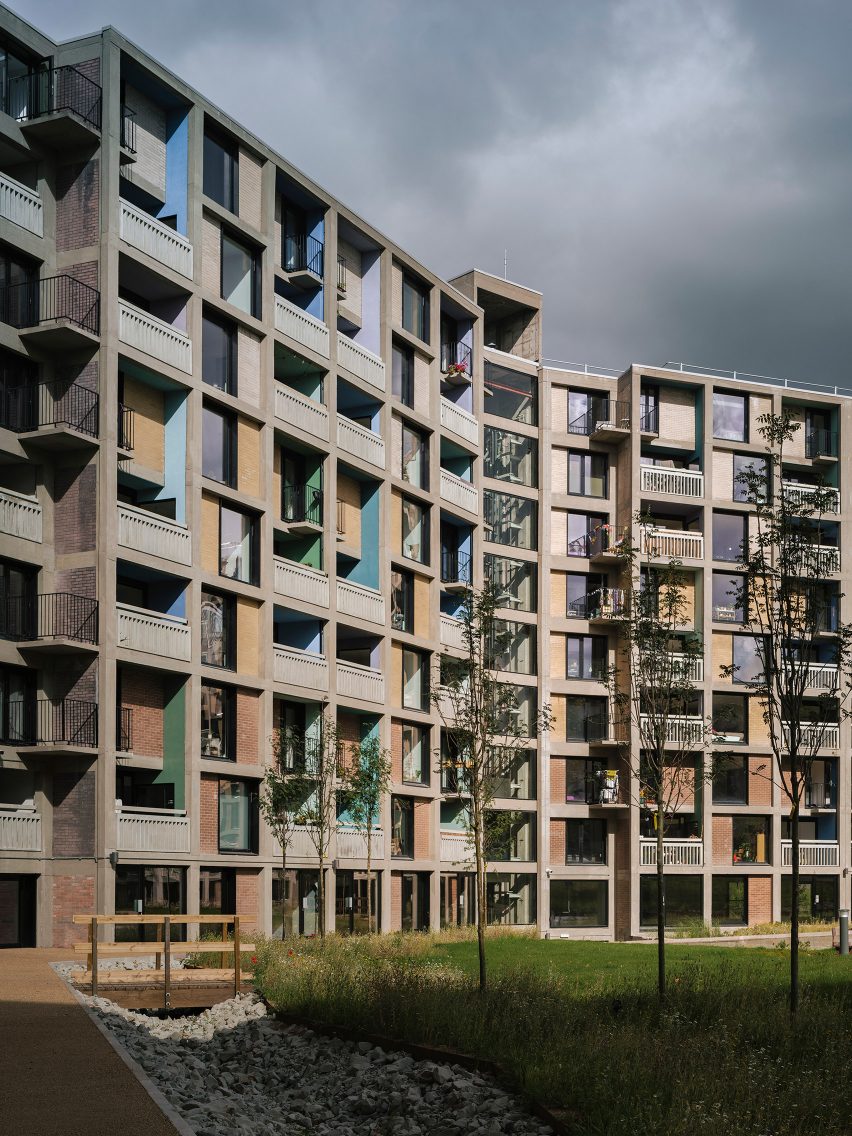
(674, 175)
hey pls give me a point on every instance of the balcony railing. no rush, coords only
(809, 559)
(356, 681)
(452, 632)
(360, 602)
(125, 427)
(20, 829)
(151, 830)
(301, 414)
(142, 630)
(458, 359)
(603, 603)
(54, 615)
(155, 239)
(604, 416)
(674, 482)
(300, 668)
(301, 252)
(456, 567)
(63, 297)
(154, 337)
(54, 722)
(688, 667)
(649, 422)
(821, 444)
(21, 205)
(52, 90)
(299, 582)
(299, 325)
(361, 362)
(459, 421)
(360, 442)
(681, 729)
(456, 491)
(812, 854)
(301, 504)
(35, 406)
(676, 853)
(672, 544)
(20, 516)
(804, 496)
(455, 847)
(341, 275)
(823, 676)
(813, 734)
(153, 535)
(124, 729)
(728, 613)
(128, 128)
(352, 845)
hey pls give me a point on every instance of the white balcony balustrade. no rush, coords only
(456, 491)
(672, 544)
(459, 422)
(145, 233)
(299, 582)
(672, 482)
(300, 668)
(805, 496)
(21, 205)
(154, 337)
(151, 830)
(812, 735)
(142, 630)
(691, 667)
(680, 728)
(360, 442)
(360, 602)
(452, 632)
(301, 846)
(356, 681)
(823, 676)
(812, 854)
(302, 414)
(455, 847)
(352, 845)
(300, 326)
(676, 853)
(153, 535)
(361, 362)
(20, 829)
(20, 516)
(814, 559)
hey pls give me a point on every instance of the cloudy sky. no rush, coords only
(674, 175)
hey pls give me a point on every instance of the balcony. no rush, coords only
(689, 668)
(148, 235)
(21, 205)
(671, 482)
(301, 509)
(681, 729)
(300, 668)
(812, 854)
(456, 491)
(60, 724)
(356, 681)
(600, 606)
(125, 429)
(301, 327)
(142, 630)
(360, 602)
(54, 618)
(821, 445)
(456, 570)
(452, 632)
(302, 415)
(153, 535)
(151, 830)
(676, 853)
(352, 845)
(459, 422)
(299, 582)
(360, 362)
(813, 735)
(822, 676)
(357, 440)
(455, 848)
(49, 410)
(154, 337)
(57, 312)
(58, 106)
(808, 496)
(20, 829)
(303, 259)
(671, 544)
(606, 420)
(301, 845)
(456, 363)
(810, 560)
(20, 516)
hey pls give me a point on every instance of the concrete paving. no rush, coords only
(59, 1076)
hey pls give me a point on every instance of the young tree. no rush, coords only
(282, 799)
(319, 811)
(367, 780)
(802, 651)
(481, 718)
(659, 723)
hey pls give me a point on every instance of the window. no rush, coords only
(820, 438)
(402, 827)
(510, 520)
(589, 782)
(583, 593)
(750, 840)
(221, 171)
(586, 657)
(684, 900)
(817, 897)
(415, 754)
(509, 835)
(402, 374)
(218, 722)
(585, 842)
(415, 457)
(512, 394)
(513, 648)
(218, 445)
(729, 535)
(510, 899)
(238, 816)
(730, 416)
(585, 719)
(402, 600)
(294, 902)
(217, 630)
(415, 679)
(747, 660)
(587, 474)
(415, 307)
(240, 275)
(17, 600)
(749, 478)
(511, 457)
(730, 780)
(579, 903)
(585, 533)
(219, 353)
(730, 716)
(515, 774)
(238, 559)
(149, 890)
(514, 581)
(17, 705)
(217, 891)
(20, 304)
(730, 901)
(415, 531)
(649, 410)
(728, 595)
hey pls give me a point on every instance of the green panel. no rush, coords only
(174, 745)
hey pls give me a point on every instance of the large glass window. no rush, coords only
(579, 903)
(730, 901)
(589, 782)
(586, 533)
(585, 719)
(402, 827)
(238, 545)
(415, 307)
(730, 416)
(587, 473)
(730, 780)
(218, 445)
(515, 774)
(218, 722)
(415, 679)
(510, 899)
(219, 353)
(586, 657)
(510, 520)
(402, 374)
(509, 835)
(511, 457)
(221, 171)
(514, 647)
(514, 581)
(217, 891)
(17, 600)
(240, 275)
(585, 841)
(148, 890)
(512, 394)
(217, 630)
(684, 900)
(294, 902)
(729, 535)
(750, 840)
(415, 531)
(747, 661)
(402, 600)
(817, 898)
(415, 754)
(728, 594)
(17, 705)
(730, 717)
(649, 410)
(415, 457)
(238, 816)
(749, 477)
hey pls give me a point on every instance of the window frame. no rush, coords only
(419, 307)
(253, 541)
(251, 849)
(229, 328)
(587, 461)
(230, 148)
(423, 743)
(229, 628)
(424, 512)
(229, 443)
(730, 396)
(422, 674)
(405, 353)
(255, 255)
(229, 721)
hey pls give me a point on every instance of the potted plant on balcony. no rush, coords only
(457, 372)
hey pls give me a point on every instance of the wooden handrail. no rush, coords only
(103, 920)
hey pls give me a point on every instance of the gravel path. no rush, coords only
(234, 1070)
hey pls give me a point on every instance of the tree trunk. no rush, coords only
(481, 911)
(283, 890)
(794, 910)
(369, 880)
(661, 907)
(321, 897)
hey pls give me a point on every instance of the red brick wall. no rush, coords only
(349, 737)
(759, 899)
(87, 271)
(396, 902)
(142, 693)
(760, 772)
(75, 515)
(72, 895)
(77, 581)
(557, 842)
(422, 830)
(84, 374)
(396, 752)
(209, 820)
(74, 814)
(723, 840)
(557, 780)
(248, 711)
(248, 896)
(77, 205)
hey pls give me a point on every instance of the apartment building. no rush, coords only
(251, 454)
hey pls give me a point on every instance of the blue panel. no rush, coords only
(177, 166)
(369, 335)
(366, 570)
(174, 406)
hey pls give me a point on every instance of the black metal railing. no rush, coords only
(303, 253)
(604, 603)
(53, 615)
(649, 422)
(126, 423)
(455, 567)
(48, 721)
(52, 403)
(821, 444)
(123, 729)
(602, 413)
(456, 357)
(51, 90)
(301, 503)
(341, 274)
(55, 297)
(128, 128)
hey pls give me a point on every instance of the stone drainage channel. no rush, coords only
(234, 1070)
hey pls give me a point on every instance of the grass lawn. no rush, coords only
(578, 1024)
